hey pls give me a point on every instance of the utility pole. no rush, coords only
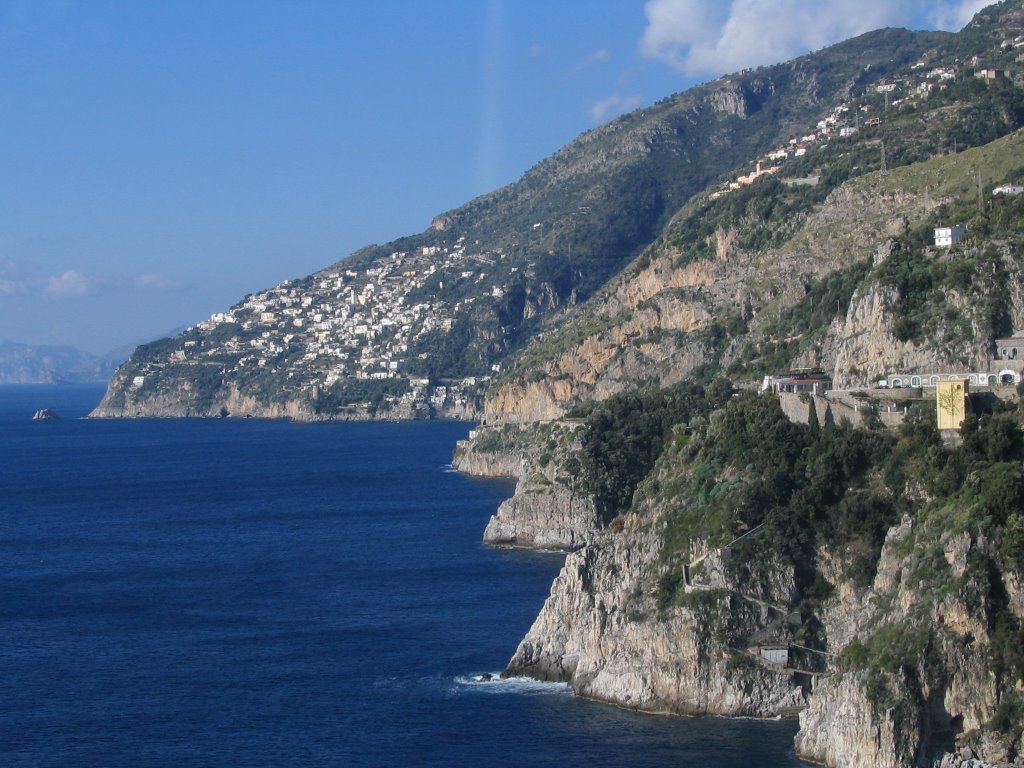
(884, 168)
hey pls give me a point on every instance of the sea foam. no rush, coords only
(518, 685)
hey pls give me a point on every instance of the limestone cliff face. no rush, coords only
(546, 517)
(839, 729)
(601, 632)
(657, 314)
(548, 510)
(655, 318)
(864, 348)
(500, 461)
(528, 402)
(930, 703)
(867, 350)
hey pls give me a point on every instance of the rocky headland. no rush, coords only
(900, 661)
(549, 510)
(789, 555)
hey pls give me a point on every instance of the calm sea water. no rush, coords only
(255, 593)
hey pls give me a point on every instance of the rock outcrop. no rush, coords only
(864, 348)
(839, 728)
(547, 510)
(861, 718)
(602, 631)
(544, 517)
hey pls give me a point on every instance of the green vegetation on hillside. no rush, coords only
(975, 272)
(626, 433)
(797, 327)
(368, 392)
(752, 467)
(799, 491)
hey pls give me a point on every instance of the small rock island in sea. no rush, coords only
(46, 414)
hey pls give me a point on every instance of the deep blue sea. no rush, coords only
(263, 593)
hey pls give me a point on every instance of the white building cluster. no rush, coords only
(343, 323)
(849, 119)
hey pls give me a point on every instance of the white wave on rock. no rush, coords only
(493, 683)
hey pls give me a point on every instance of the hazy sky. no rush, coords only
(159, 160)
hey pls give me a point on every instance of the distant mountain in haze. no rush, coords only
(27, 364)
(44, 364)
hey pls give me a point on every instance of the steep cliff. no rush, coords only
(930, 676)
(603, 631)
(544, 516)
(549, 509)
(845, 291)
(888, 568)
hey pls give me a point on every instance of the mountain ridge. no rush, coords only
(763, 554)
(489, 275)
(54, 364)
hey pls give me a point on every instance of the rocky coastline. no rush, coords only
(119, 403)
(547, 510)
(606, 631)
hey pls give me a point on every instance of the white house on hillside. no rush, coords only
(947, 236)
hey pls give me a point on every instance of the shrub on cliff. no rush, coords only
(626, 433)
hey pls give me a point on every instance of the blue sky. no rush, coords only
(159, 160)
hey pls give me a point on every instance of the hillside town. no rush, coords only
(344, 324)
(852, 119)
